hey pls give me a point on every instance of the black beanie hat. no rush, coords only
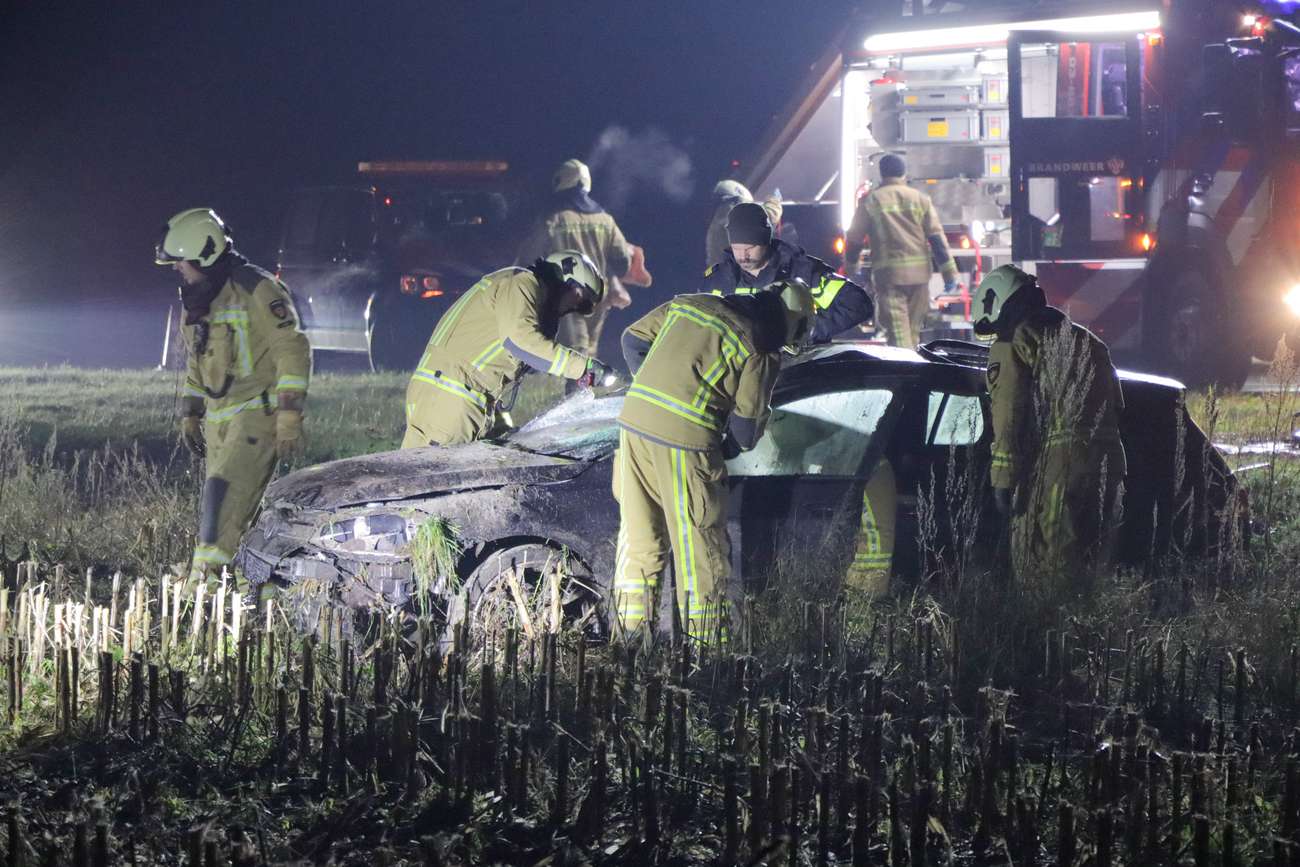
(892, 166)
(747, 223)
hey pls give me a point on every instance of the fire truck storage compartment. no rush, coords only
(994, 89)
(940, 96)
(997, 162)
(940, 126)
(996, 124)
(946, 112)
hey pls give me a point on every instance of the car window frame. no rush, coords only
(838, 374)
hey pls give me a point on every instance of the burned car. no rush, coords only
(531, 517)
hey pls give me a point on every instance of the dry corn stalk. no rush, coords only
(555, 596)
(517, 593)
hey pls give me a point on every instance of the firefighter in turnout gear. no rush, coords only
(907, 240)
(481, 345)
(704, 367)
(578, 222)
(1058, 462)
(755, 260)
(246, 377)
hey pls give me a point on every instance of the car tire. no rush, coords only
(488, 601)
(1198, 348)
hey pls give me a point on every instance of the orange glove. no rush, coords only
(637, 274)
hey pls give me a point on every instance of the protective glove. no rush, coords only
(598, 373)
(730, 448)
(637, 274)
(192, 435)
(289, 438)
(1002, 501)
(951, 286)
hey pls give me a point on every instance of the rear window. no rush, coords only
(329, 223)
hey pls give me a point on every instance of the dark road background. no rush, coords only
(115, 118)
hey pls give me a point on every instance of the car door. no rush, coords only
(797, 496)
(940, 449)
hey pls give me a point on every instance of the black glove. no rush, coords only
(730, 448)
(192, 435)
(1002, 501)
(598, 373)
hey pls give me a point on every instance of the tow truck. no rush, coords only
(1142, 157)
(373, 263)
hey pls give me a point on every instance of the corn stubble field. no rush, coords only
(966, 720)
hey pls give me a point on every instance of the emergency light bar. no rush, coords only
(433, 167)
(911, 40)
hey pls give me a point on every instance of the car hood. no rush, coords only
(422, 472)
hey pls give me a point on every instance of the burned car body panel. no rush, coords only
(839, 413)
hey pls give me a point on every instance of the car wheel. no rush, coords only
(530, 587)
(1201, 347)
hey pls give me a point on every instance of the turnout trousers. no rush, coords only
(873, 555)
(901, 311)
(435, 417)
(240, 462)
(672, 508)
(1069, 518)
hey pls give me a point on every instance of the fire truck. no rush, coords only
(1142, 158)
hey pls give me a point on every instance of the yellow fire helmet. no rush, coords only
(995, 290)
(196, 235)
(571, 173)
(577, 269)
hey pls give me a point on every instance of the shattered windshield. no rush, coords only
(583, 427)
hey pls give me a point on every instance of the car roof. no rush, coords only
(872, 351)
(898, 358)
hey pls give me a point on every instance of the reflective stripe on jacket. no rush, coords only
(701, 368)
(1077, 388)
(901, 223)
(841, 303)
(506, 320)
(248, 347)
(597, 235)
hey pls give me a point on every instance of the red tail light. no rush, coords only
(410, 284)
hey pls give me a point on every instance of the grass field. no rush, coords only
(960, 722)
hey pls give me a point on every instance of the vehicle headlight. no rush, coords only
(376, 533)
(1292, 300)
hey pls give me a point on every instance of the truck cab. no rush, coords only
(372, 264)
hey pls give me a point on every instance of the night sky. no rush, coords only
(113, 119)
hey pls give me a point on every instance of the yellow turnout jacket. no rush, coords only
(698, 372)
(482, 342)
(907, 239)
(247, 349)
(1073, 418)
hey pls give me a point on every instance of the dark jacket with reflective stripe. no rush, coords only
(841, 303)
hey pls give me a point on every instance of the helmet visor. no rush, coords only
(160, 254)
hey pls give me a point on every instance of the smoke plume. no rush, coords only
(627, 164)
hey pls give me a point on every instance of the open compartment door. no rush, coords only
(1075, 120)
